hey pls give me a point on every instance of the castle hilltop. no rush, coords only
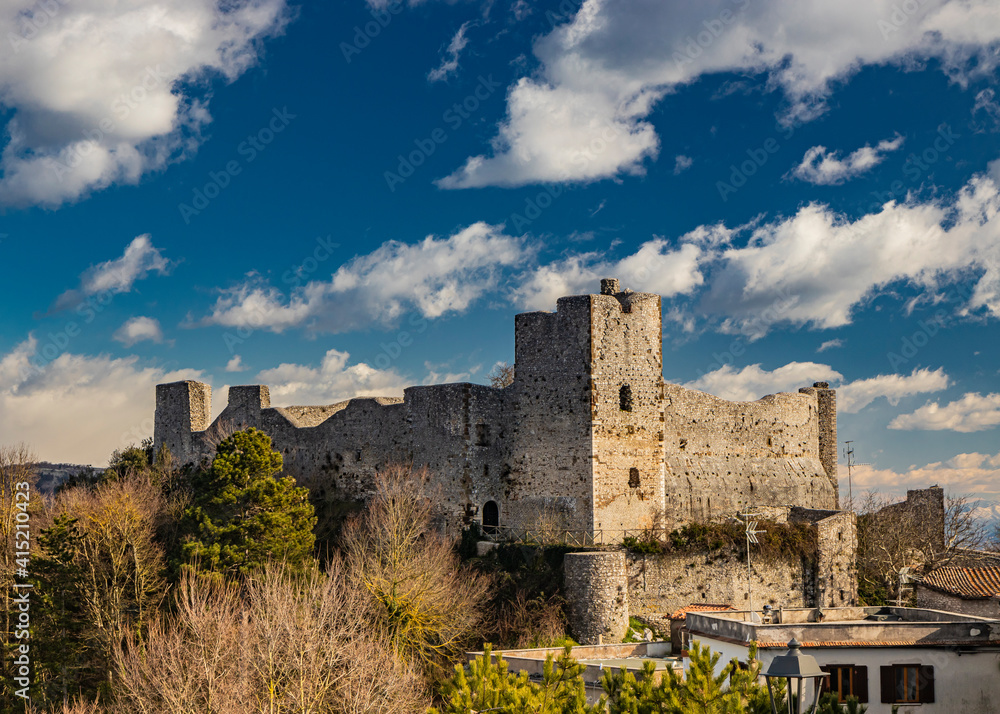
(588, 437)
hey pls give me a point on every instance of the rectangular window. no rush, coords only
(907, 684)
(847, 680)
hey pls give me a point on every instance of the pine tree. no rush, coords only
(736, 688)
(67, 657)
(486, 685)
(244, 515)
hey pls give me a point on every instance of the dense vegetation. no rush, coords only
(777, 541)
(162, 590)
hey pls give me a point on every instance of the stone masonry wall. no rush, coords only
(627, 411)
(548, 474)
(826, 403)
(182, 410)
(934, 600)
(836, 571)
(596, 587)
(724, 457)
(565, 446)
(663, 583)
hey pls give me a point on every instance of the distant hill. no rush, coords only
(50, 475)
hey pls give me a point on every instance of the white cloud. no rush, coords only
(434, 277)
(830, 344)
(583, 115)
(751, 383)
(116, 276)
(855, 396)
(817, 266)
(973, 412)
(449, 65)
(78, 408)
(104, 92)
(655, 267)
(333, 381)
(682, 163)
(137, 329)
(235, 364)
(972, 473)
(826, 168)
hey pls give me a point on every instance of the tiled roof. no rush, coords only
(966, 583)
(679, 614)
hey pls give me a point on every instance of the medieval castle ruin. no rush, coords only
(588, 439)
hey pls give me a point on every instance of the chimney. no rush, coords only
(609, 286)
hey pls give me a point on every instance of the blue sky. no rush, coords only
(345, 198)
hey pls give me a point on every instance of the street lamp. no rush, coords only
(795, 668)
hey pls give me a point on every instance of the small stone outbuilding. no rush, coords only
(970, 591)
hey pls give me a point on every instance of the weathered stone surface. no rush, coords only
(595, 585)
(587, 438)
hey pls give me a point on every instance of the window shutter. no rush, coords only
(926, 684)
(825, 681)
(860, 677)
(888, 684)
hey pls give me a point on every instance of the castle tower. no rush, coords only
(181, 409)
(586, 427)
(626, 368)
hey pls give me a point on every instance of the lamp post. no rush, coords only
(795, 668)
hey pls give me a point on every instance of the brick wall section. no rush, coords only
(596, 587)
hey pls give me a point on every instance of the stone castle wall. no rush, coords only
(587, 438)
(727, 457)
(659, 584)
(596, 588)
(626, 410)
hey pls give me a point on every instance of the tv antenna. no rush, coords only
(851, 463)
(751, 533)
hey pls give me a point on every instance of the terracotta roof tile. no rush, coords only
(966, 583)
(680, 614)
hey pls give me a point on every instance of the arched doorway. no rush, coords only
(491, 517)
